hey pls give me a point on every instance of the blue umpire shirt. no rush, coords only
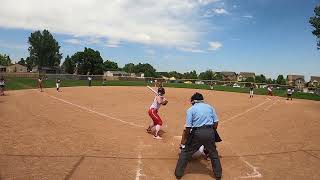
(201, 114)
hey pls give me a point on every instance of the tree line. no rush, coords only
(44, 51)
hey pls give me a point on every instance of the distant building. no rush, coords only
(16, 68)
(296, 80)
(244, 75)
(3, 68)
(199, 82)
(229, 76)
(116, 73)
(315, 81)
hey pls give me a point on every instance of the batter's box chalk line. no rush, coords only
(139, 166)
(254, 174)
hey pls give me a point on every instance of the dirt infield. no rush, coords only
(99, 133)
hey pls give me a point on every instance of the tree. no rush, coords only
(218, 76)
(315, 22)
(261, 79)
(30, 63)
(110, 65)
(44, 49)
(129, 68)
(280, 80)
(69, 65)
(147, 69)
(250, 79)
(22, 62)
(5, 60)
(175, 74)
(88, 61)
(190, 75)
(207, 75)
(271, 81)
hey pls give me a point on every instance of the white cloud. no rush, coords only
(165, 22)
(193, 50)
(215, 45)
(247, 16)
(213, 12)
(220, 11)
(205, 2)
(112, 43)
(73, 41)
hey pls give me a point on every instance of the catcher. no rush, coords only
(156, 123)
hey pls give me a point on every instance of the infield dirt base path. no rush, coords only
(99, 133)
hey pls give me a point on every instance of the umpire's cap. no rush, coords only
(196, 97)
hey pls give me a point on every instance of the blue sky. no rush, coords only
(263, 36)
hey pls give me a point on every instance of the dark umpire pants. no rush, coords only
(200, 136)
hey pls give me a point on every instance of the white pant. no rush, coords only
(251, 93)
(58, 85)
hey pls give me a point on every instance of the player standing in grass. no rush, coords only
(251, 90)
(270, 91)
(289, 93)
(2, 85)
(40, 81)
(89, 80)
(156, 123)
(58, 81)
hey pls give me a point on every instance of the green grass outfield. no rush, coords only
(29, 83)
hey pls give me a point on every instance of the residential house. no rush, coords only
(116, 73)
(229, 76)
(3, 69)
(296, 80)
(244, 75)
(315, 81)
(16, 68)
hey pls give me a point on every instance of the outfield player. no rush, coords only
(89, 81)
(40, 81)
(251, 90)
(289, 93)
(2, 86)
(58, 81)
(153, 113)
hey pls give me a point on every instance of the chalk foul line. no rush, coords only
(95, 112)
(248, 110)
(268, 107)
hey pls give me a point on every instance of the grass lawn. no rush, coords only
(29, 83)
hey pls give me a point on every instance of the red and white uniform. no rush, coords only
(153, 110)
(270, 91)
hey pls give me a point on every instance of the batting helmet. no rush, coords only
(161, 91)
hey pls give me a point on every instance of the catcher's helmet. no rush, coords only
(161, 91)
(196, 97)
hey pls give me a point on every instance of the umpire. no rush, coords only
(201, 122)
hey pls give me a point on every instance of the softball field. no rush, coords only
(99, 133)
